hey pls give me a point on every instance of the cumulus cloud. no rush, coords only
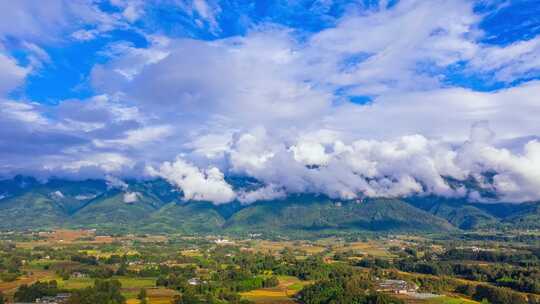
(196, 184)
(409, 165)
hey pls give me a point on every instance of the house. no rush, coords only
(223, 242)
(194, 281)
(60, 298)
(396, 286)
(78, 275)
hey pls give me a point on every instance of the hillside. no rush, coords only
(310, 213)
(155, 206)
(458, 212)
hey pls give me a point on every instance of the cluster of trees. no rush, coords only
(224, 284)
(103, 292)
(84, 259)
(525, 279)
(503, 270)
(232, 271)
(496, 295)
(11, 263)
(344, 288)
(191, 298)
(521, 258)
(29, 293)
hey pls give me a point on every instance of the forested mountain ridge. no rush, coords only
(156, 206)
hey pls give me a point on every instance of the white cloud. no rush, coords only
(12, 74)
(29, 20)
(405, 166)
(376, 52)
(22, 112)
(103, 162)
(138, 137)
(115, 182)
(83, 197)
(85, 35)
(196, 184)
(132, 10)
(204, 13)
(266, 193)
(445, 113)
(57, 194)
(508, 63)
(131, 197)
(311, 153)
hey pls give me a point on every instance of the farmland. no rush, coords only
(176, 268)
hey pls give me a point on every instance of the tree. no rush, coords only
(29, 293)
(122, 270)
(2, 299)
(187, 297)
(103, 292)
(142, 296)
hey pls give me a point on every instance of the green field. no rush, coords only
(127, 283)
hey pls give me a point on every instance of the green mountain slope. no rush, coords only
(31, 210)
(320, 214)
(71, 195)
(112, 211)
(156, 206)
(458, 212)
(527, 217)
(196, 217)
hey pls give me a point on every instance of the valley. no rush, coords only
(220, 269)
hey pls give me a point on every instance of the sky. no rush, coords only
(343, 98)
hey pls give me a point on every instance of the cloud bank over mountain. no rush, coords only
(386, 99)
(406, 166)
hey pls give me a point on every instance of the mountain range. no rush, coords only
(154, 206)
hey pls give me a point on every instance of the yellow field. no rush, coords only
(128, 284)
(10, 287)
(267, 296)
(156, 296)
(450, 300)
(371, 248)
(99, 254)
(62, 237)
(274, 247)
(281, 294)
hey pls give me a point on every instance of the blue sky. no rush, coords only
(209, 88)
(66, 75)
